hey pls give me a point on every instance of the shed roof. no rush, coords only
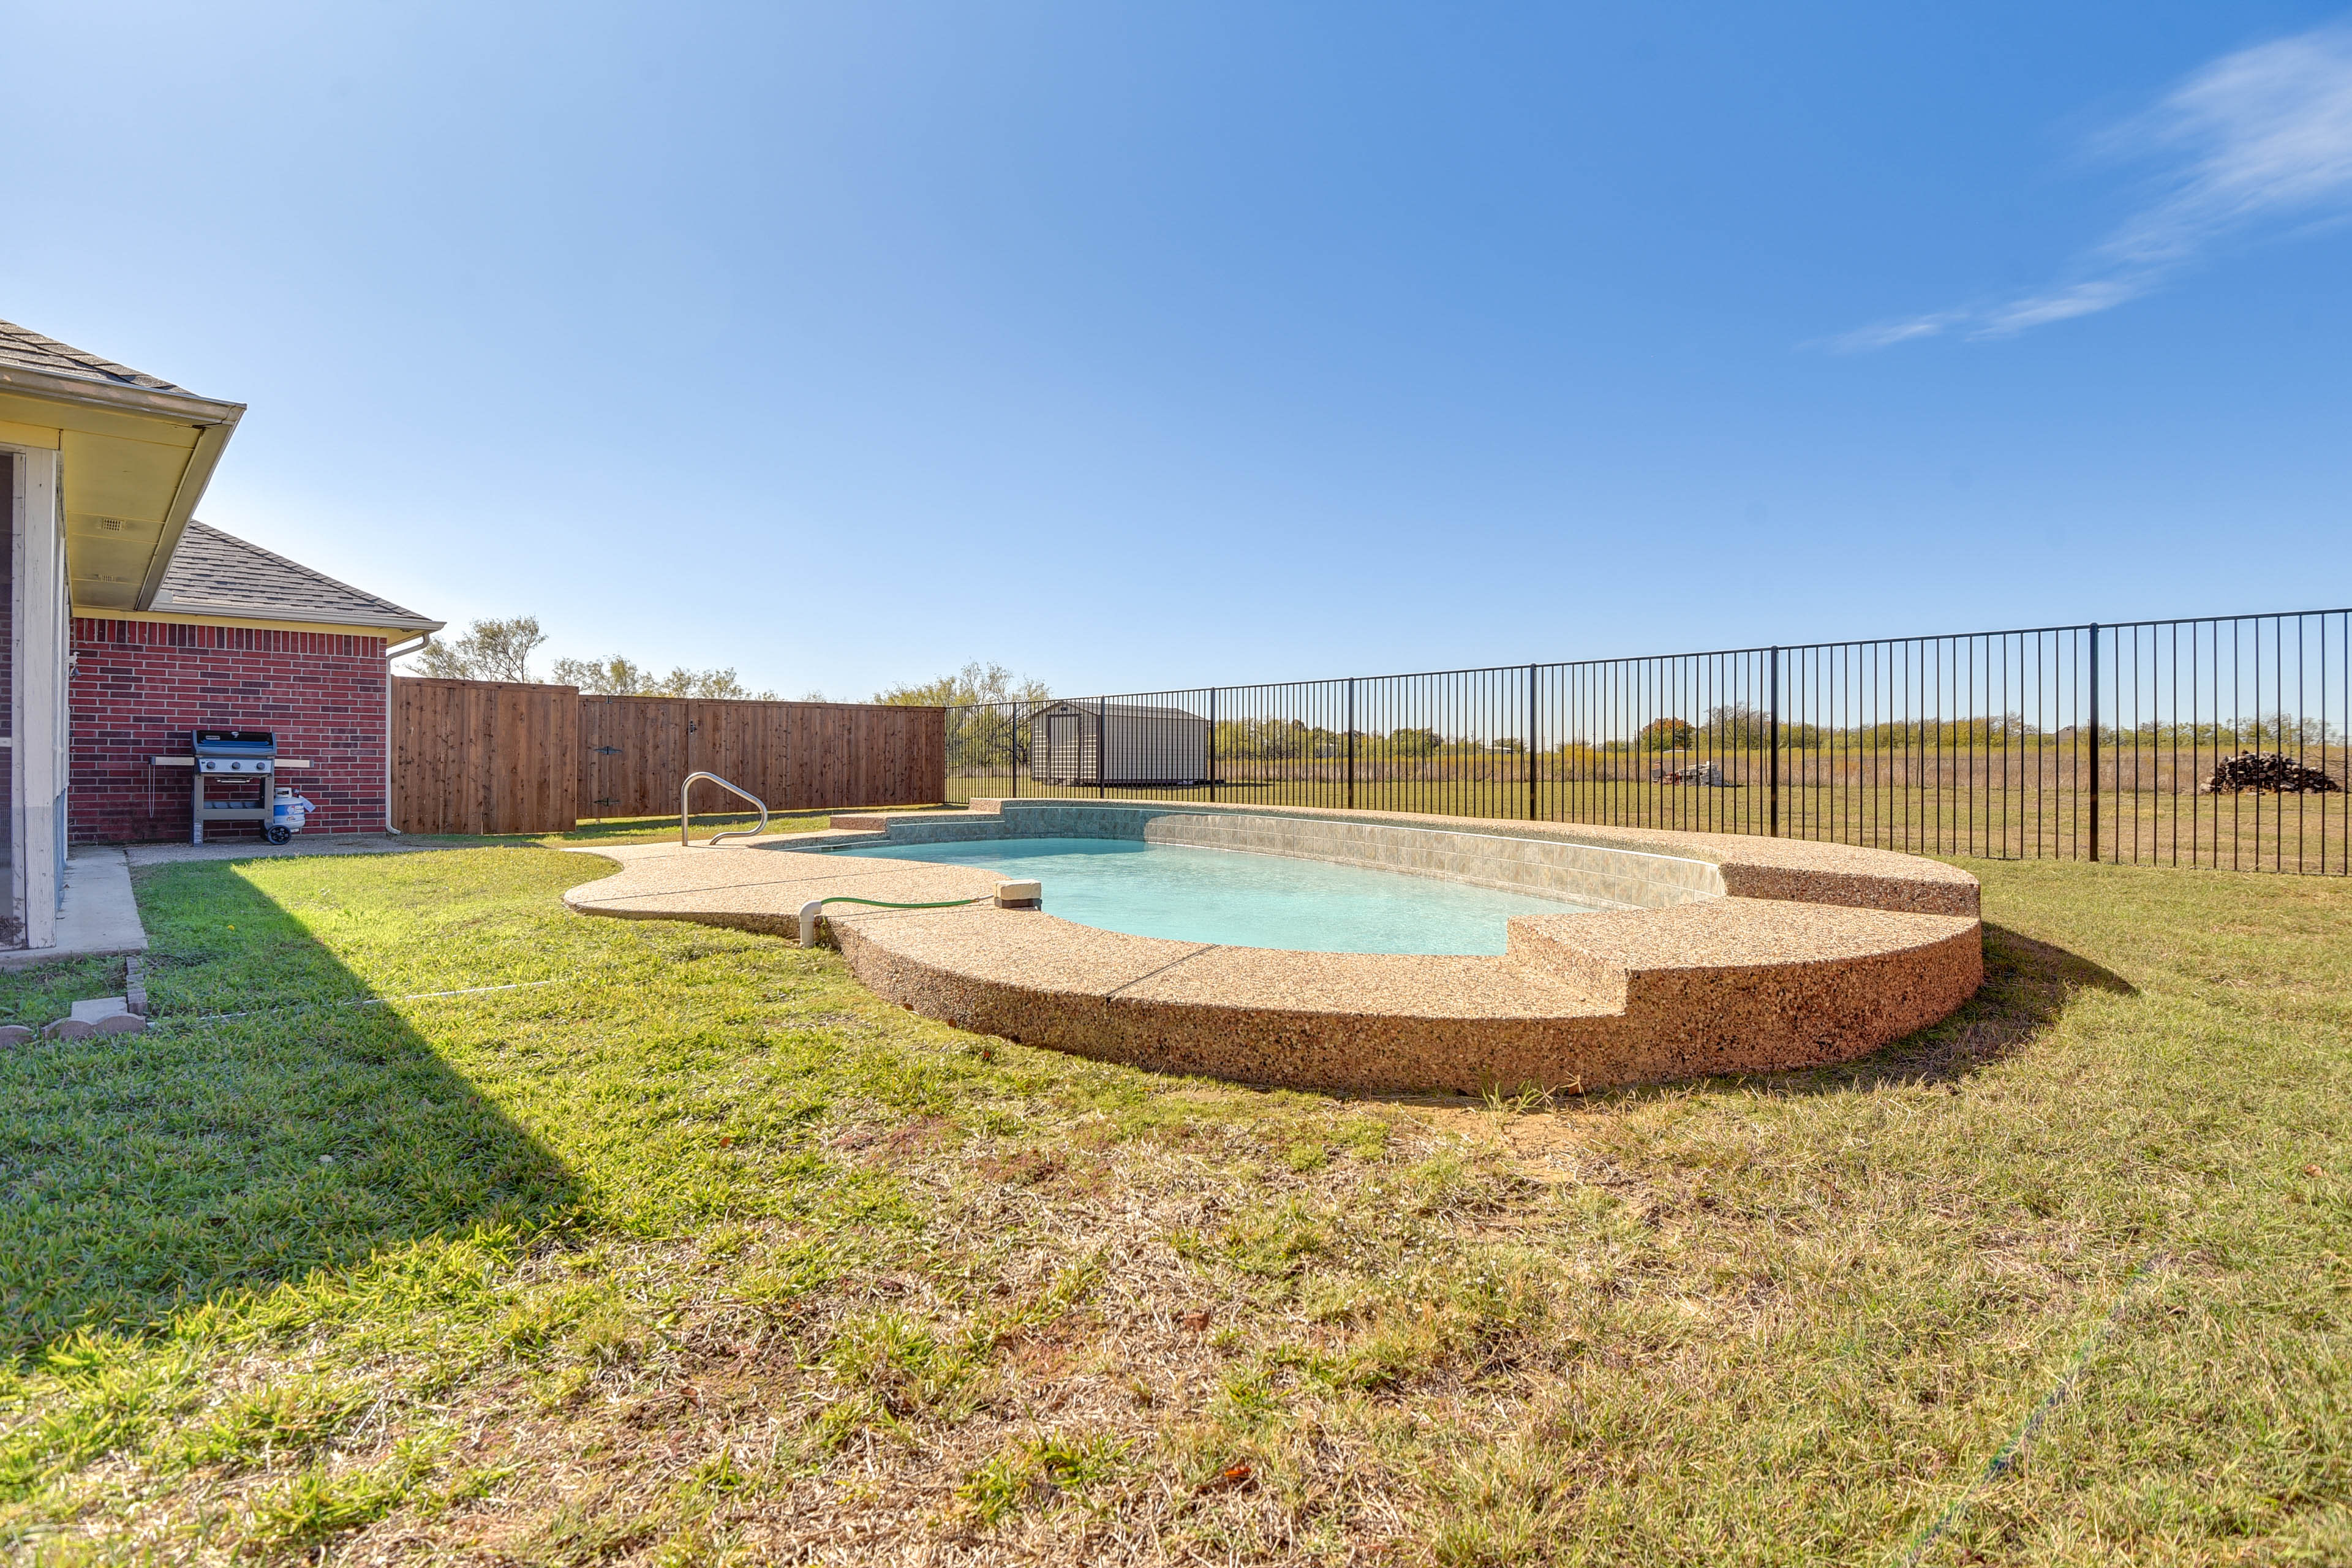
(1118, 709)
(27, 350)
(216, 574)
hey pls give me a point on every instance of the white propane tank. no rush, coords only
(288, 811)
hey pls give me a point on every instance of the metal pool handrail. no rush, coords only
(688, 787)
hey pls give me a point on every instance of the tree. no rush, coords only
(1414, 743)
(501, 650)
(974, 684)
(490, 651)
(715, 684)
(1735, 726)
(620, 675)
(982, 735)
(1667, 735)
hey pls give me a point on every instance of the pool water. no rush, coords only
(1241, 899)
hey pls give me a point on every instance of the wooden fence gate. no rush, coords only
(481, 756)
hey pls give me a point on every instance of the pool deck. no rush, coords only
(1781, 953)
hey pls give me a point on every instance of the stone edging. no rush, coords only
(1725, 954)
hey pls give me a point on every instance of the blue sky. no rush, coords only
(1134, 346)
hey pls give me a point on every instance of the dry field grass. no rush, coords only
(690, 1250)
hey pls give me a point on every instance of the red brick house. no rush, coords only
(125, 624)
(235, 638)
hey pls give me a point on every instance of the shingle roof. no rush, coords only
(216, 574)
(27, 350)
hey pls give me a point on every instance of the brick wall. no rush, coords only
(139, 687)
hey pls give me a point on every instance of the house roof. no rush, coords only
(27, 350)
(216, 574)
(136, 452)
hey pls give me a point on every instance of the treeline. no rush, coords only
(501, 649)
(986, 735)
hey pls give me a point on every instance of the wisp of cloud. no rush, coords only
(2262, 138)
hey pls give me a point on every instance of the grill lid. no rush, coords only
(233, 742)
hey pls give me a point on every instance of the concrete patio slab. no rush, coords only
(98, 916)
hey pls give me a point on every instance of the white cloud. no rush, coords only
(2261, 139)
(1888, 333)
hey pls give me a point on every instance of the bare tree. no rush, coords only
(975, 683)
(490, 651)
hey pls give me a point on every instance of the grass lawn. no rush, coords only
(688, 1249)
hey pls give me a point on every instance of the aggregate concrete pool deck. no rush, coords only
(1724, 954)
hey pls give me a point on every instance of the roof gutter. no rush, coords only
(214, 423)
(180, 407)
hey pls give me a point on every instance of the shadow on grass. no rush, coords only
(141, 1174)
(2027, 985)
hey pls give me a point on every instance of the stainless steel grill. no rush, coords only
(241, 757)
(233, 757)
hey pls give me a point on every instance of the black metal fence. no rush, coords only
(2215, 742)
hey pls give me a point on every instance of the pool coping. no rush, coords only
(1810, 953)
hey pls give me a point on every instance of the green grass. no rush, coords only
(703, 1254)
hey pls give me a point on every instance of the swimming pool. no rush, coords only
(1241, 899)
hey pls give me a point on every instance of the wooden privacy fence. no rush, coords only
(487, 756)
(483, 756)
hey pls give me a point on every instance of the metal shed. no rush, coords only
(1117, 743)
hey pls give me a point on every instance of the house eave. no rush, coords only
(181, 407)
(210, 441)
(393, 631)
(117, 411)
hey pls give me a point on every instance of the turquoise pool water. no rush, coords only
(1244, 900)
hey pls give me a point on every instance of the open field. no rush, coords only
(690, 1250)
(2310, 833)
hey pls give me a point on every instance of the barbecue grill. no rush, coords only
(234, 750)
(237, 757)
(248, 760)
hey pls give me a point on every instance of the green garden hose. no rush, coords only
(809, 910)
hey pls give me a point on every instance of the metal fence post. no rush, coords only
(1775, 740)
(1213, 743)
(1102, 747)
(1351, 742)
(1532, 742)
(1013, 743)
(2094, 740)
